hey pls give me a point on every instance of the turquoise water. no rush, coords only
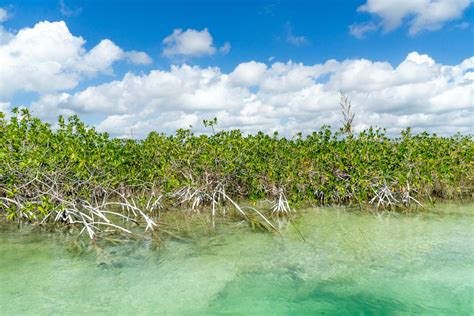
(348, 263)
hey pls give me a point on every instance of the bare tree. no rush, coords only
(347, 114)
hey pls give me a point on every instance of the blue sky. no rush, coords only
(308, 33)
(256, 29)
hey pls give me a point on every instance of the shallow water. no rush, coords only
(349, 263)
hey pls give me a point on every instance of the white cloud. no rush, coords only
(462, 26)
(225, 49)
(248, 74)
(296, 40)
(4, 106)
(359, 30)
(188, 43)
(284, 97)
(67, 10)
(3, 15)
(420, 15)
(5, 36)
(138, 58)
(48, 58)
(292, 38)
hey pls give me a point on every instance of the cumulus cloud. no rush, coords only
(48, 58)
(420, 15)
(137, 58)
(285, 97)
(189, 43)
(248, 74)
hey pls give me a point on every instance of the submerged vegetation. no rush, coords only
(75, 175)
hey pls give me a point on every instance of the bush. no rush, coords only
(48, 173)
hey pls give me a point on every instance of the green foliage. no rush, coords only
(72, 161)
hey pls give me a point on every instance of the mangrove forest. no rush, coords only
(70, 174)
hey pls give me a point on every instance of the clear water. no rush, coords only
(349, 263)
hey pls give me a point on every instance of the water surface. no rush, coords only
(328, 261)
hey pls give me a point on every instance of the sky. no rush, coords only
(131, 67)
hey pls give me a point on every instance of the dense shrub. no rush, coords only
(41, 168)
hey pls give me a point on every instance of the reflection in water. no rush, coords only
(347, 263)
